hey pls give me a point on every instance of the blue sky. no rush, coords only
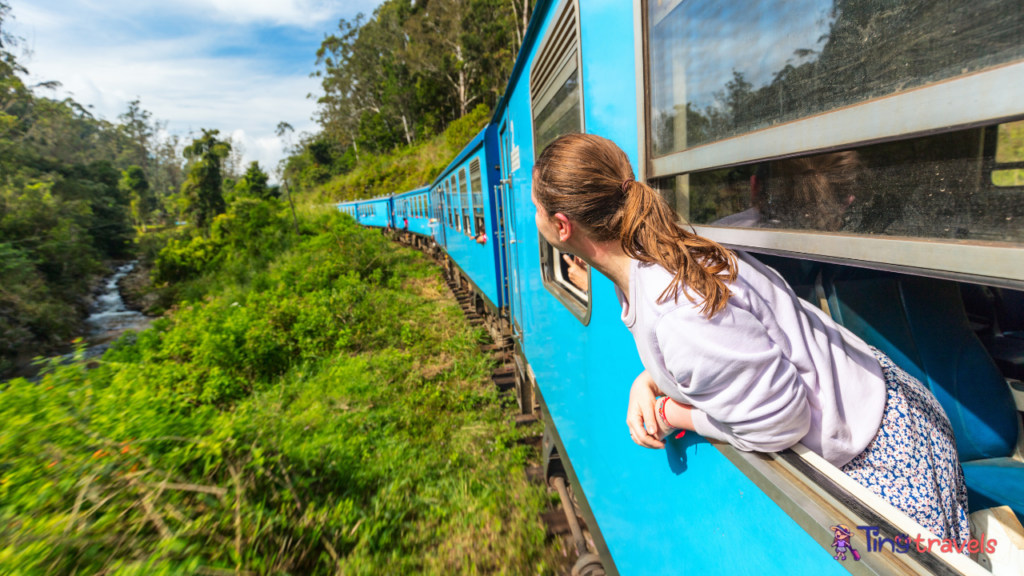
(240, 66)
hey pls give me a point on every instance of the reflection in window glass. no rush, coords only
(561, 115)
(719, 68)
(932, 187)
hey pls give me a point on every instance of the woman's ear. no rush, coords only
(564, 227)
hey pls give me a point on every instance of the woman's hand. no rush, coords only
(577, 271)
(640, 416)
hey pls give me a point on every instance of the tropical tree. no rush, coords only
(202, 189)
(253, 183)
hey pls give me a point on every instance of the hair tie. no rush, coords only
(625, 185)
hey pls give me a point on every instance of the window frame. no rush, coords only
(554, 77)
(466, 201)
(560, 73)
(959, 103)
(560, 287)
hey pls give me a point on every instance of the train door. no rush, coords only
(512, 245)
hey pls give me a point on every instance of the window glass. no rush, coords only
(456, 202)
(451, 209)
(476, 182)
(933, 187)
(719, 68)
(1009, 165)
(561, 115)
(466, 207)
(567, 278)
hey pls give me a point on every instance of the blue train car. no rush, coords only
(923, 259)
(467, 209)
(376, 212)
(413, 207)
(703, 124)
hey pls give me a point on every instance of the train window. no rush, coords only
(476, 183)
(448, 200)
(720, 68)
(467, 208)
(567, 278)
(453, 184)
(1009, 158)
(930, 187)
(556, 95)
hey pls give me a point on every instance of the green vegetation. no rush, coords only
(330, 412)
(1009, 148)
(396, 81)
(406, 168)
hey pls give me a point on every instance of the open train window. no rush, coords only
(467, 225)
(556, 94)
(569, 283)
(476, 186)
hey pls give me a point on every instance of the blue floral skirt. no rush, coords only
(912, 462)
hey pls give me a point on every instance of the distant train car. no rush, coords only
(918, 249)
(375, 212)
(468, 207)
(412, 208)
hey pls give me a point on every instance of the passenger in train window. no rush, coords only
(810, 193)
(576, 271)
(740, 358)
(481, 237)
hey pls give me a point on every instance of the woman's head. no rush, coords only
(587, 180)
(811, 192)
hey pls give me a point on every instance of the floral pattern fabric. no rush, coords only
(912, 462)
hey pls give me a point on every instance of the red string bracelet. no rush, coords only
(661, 412)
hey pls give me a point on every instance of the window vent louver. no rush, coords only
(559, 45)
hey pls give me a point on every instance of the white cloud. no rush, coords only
(193, 73)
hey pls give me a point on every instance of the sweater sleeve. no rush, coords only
(749, 394)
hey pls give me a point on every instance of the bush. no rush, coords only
(332, 415)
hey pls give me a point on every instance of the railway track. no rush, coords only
(512, 381)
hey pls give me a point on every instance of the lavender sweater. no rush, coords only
(767, 371)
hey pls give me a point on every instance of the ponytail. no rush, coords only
(651, 233)
(589, 179)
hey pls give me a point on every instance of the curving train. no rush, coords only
(910, 234)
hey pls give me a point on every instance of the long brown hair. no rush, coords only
(589, 179)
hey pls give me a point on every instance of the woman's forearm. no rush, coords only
(679, 415)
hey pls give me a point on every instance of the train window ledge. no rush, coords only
(817, 496)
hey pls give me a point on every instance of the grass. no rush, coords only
(329, 413)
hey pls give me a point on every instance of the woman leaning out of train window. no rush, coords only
(731, 353)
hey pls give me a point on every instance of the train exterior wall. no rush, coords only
(478, 261)
(417, 224)
(684, 510)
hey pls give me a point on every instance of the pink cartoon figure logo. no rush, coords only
(841, 543)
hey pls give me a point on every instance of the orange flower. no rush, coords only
(51, 464)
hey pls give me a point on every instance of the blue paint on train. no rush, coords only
(469, 206)
(687, 509)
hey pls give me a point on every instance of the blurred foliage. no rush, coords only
(70, 186)
(288, 423)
